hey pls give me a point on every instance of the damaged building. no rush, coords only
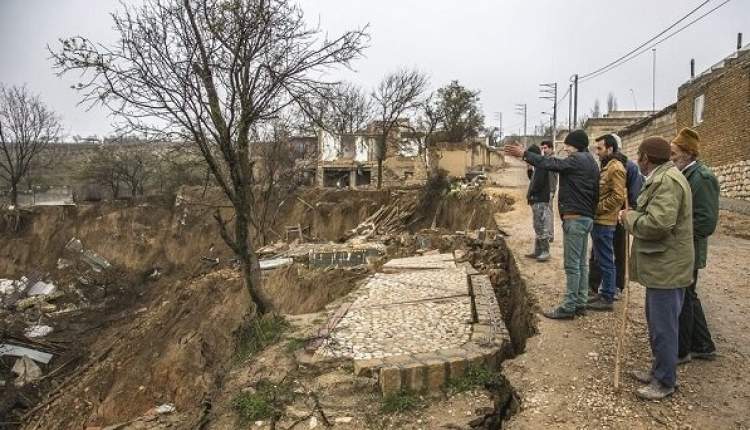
(351, 160)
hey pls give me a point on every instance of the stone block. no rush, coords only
(390, 380)
(456, 366)
(413, 376)
(367, 367)
(435, 373)
(397, 360)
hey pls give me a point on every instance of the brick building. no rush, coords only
(662, 123)
(716, 104)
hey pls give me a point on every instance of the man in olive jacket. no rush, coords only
(661, 259)
(695, 338)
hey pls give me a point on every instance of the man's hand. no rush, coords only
(514, 150)
(621, 216)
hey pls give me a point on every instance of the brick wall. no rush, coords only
(725, 130)
(662, 123)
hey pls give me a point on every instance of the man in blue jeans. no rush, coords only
(611, 200)
(577, 200)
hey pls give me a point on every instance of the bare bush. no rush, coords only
(27, 126)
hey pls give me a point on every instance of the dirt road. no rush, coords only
(565, 376)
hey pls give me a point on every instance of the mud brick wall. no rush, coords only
(725, 130)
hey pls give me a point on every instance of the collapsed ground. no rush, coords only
(149, 325)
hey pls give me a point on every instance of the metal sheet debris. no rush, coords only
(21, 351)
(41, 289)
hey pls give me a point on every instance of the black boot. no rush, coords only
(543, 254)
(536, 252)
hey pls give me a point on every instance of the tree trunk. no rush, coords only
(380, 172)
(249, 262)
(14, 194)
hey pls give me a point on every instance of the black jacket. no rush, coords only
(579, 181)
(539, 190)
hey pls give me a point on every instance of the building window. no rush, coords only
(698, 103)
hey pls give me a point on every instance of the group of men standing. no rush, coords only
(668, 203)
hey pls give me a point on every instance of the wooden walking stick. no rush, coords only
(624, 317)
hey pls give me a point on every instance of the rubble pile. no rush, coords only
(40, 319)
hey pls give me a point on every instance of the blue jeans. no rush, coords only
(604, 254)
(575, 243)
(663, 317)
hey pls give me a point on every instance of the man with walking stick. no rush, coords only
(661, 259)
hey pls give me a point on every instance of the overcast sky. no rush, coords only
(504, 48)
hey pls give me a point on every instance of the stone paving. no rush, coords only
(424, 321)
(406, 312)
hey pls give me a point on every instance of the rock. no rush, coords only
(37, 331)
(166, 408)
(313, 423)
(26, 370)
(343, 420)
(74, 245)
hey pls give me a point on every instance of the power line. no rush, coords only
(648, 48)
(583, 76)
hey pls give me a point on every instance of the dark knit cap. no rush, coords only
(577, 139)
(535, 149)
(657, 148)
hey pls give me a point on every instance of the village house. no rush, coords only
(350, 160)
(716, 103)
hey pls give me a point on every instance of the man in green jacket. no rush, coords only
(695, 338)
(661, 259)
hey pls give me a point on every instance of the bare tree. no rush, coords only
(397, 94)
(27, 126)
(209, 71)
(611, 103)
(351, 109)
(276, 171)
(100, 170)
(596, 111)
(427, 121)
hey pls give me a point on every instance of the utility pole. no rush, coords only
(635, 103)
(521, 110)
(575, 102)
(549, 92)
(499, 118)
(570, 107)
(653, 82)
